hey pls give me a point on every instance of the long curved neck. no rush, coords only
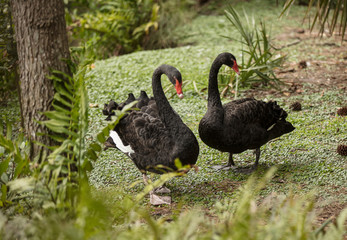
(169, 117)
(213, 93)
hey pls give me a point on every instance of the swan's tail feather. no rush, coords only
(109, 109)
(130, 99)
(280, 128)
(278, 112)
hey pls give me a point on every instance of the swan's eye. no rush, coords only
(178, 87)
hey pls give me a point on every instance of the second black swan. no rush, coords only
(155, 136)
(240, 124)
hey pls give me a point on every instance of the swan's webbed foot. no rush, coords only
(249, 170)
(159, 200)
(162, 190)
(230, 165)
(223, 167)
(246, 170)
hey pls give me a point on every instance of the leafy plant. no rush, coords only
(115, 27)
(171, 14)
(14, 162)
(108, 213)
(124, 26)
(275, 217)
(8, 50)
(329, 14)
(258, 56)
(56, 175)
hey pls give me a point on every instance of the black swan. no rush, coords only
(155, 136)
(240, 124)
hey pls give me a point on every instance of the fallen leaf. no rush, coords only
(93, 105)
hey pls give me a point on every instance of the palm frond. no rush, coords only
(327, 15)
(258, 59)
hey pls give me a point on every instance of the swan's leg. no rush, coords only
(230, 164)
(156, 199)
(257, 156)
(231, 161)
(249, 170)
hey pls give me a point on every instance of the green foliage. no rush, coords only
(108, 214)
(118, 27)
(171, 15)
(59, 173)
(259, 58)
(329, 14)
(8, 50)
(14, 162)
(56, 175)
(275, 217)
(114, 27)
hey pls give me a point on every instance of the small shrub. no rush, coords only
(56, 174)
(114, 27)
(8, 50)
(108, 214)
(171, 14)
(329, 15)
(259, 58)
(118, 27)
(14, 162)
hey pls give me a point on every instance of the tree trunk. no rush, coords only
(42, 43)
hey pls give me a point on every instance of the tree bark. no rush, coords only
(42, 43)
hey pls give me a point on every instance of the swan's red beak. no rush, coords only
(236, 68)
(178, 87)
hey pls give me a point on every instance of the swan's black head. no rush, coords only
(175, 78)
(229, 60)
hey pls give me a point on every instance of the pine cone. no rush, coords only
(295, 106)
(342, 111)
(342, 149)
(302, 64)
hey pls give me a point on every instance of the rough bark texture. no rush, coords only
(42, 43)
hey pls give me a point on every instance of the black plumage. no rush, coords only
(109, 109)
(130, 99)
(240, 124)
(155, 133)
(142, 101)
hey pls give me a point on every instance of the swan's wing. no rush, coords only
(151, 109)
(250, 111)
(144, 133)
(249, 122)
(150, 142)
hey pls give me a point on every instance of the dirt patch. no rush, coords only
(224, 186)
(321, 60)
(330, 211)
(320, 64)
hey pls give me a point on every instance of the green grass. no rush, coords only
(306, 158)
